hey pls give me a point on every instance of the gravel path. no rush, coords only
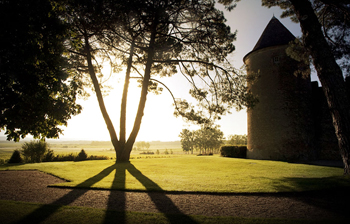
(31, 186)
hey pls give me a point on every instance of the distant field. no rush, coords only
(91, 147)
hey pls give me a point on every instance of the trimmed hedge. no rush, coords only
(234, 151)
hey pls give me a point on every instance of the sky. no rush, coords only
(159, 124)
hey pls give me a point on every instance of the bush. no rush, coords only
(34, 151)
(2, 162)
(16, 157)
(166, 152)
(82, 155)
(234, 151)
(49, 156)
(147, 153)
(97, 158)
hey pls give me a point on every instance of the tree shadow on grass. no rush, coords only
(116, 200)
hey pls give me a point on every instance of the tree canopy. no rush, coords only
(207, 139)
(38, 88)
(154, 39)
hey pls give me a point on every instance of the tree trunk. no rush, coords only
(99, 96)
(144, 89)
(329, 73)
(122, 148)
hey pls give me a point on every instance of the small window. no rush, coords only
(276, 60)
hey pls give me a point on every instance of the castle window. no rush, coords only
(276, 60)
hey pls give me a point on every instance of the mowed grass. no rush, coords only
(193, 174)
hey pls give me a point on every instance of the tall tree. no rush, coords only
(187, 140)
(38, 88)
(325, 28)
(159, 38)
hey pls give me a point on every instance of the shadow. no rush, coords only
(116, 199)
(333, 196)
(163, 203)
(44, 211)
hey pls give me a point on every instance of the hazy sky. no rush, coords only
(249, 18)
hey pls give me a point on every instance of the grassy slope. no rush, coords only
(192, 173)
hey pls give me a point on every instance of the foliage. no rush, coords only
(237, 140)
(188, 142)
(34, 151)
(147, 152)
(38, 87)
(158, 38)
(82, 155)
(141, 145)
(16, 157)
(49, 156)
(233, 151)
(206, 140)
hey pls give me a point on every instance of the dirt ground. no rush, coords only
(32, 186)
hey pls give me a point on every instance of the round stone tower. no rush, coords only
(280, 125)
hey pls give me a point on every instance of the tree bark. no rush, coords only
(125, 155)
(122, 138)
(99, 96)
(329, 74)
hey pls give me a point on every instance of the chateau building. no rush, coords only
(291, 122)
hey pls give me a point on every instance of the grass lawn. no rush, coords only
(193, 174)
(21, 212)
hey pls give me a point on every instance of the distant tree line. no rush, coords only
(206, 140)
(236, 140)
(141, 145)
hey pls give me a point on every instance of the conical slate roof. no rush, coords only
(274, 34)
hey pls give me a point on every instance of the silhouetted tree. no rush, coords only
(208, 139)
(38, 88)
(237, 140)
(158, 37)
(325, 27)
(187, 140)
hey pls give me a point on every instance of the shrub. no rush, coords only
(2, 162)
(34, 151)
(49, 156)
(97, 158)
(82, 155)
(147, 152)
(234, 151)
(16, 157)
(166, 152)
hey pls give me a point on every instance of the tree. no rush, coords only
(158, 38)
(325, 28)
(187, 140)
(38, 89)
(237, 140)
(208, 139)
(34, 151)
(142, 145)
